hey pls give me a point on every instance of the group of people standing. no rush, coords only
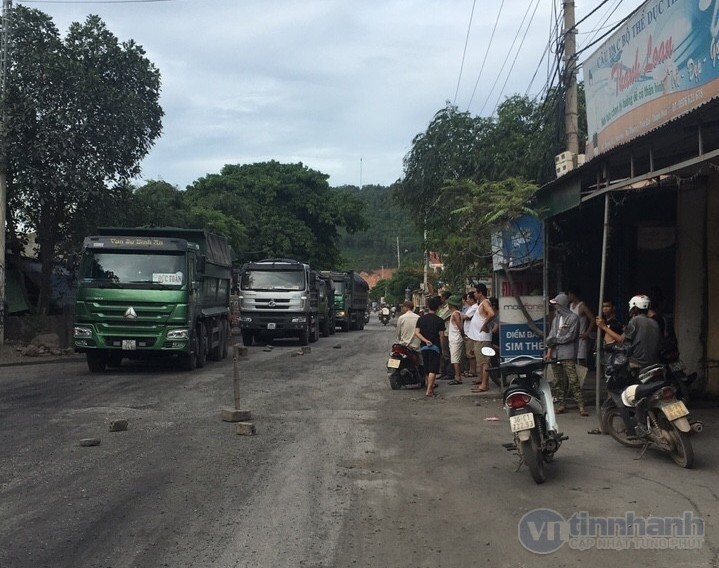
(450, 335)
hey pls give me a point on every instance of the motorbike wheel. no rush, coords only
(614, 423)
(683, 452)
(532, 456)
(394, 381)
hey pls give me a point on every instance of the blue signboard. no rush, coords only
(515, 335)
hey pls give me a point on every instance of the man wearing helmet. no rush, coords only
(642, 333)
(644, 338)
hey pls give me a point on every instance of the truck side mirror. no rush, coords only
(201, 260)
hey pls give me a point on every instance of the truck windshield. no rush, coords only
(273, 280)
(111, 269)
(339, 287)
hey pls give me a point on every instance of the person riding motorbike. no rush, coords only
(643, 338)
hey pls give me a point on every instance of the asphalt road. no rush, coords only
(342, 472)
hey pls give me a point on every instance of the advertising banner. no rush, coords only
(661, 64)
(518, 244)
(515, 336)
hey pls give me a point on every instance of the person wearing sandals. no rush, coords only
(455, 338)
(481, 335)
(467, 316)
(429, 329)
(562, 353)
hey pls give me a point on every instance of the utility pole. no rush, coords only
(398, 263)
(6, 7)
(571, 115)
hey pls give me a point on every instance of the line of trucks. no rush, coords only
(165, 292)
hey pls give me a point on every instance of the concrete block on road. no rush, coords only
(246, 429)
(118, 425)
(233, 415)
(88, 442)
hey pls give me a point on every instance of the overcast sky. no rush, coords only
(340, 85)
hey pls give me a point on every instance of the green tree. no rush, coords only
(82, 112)
(287, 210)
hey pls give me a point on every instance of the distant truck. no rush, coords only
(153, 292)
(326, 306)
(279, 297)
(351, 295)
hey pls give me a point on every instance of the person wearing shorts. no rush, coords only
(429, 329)
(482, 336)
(467, 315)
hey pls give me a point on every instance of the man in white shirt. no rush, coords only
(406, 324)
(467, 315)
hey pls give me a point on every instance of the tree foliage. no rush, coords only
(287, 210)
(82, 112)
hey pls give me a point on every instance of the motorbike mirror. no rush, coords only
(488, 352)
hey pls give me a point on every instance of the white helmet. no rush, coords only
(640, 301)
(629, 395)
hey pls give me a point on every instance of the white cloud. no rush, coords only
(324, 82)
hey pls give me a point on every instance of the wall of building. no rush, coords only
(712, 261)
(690, 274)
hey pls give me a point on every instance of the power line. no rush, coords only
(494, 29)
(464, 53)
(506, 58)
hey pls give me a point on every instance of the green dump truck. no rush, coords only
(153, 292)
(351, 295)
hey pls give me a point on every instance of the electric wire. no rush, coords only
(464, 53)
(506, 58)
(516, 55)
(491, 38)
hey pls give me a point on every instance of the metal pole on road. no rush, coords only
(235, 414)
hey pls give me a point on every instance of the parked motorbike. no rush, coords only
(529, 405)
(384, 316)
(659, 395)
(366, 316)
(404, 367)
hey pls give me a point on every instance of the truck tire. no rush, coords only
(96, 361)
(215, 352)
(326, 327)
(315, 332)
(201, 346)
(225, 338)
(333, 326)
(188, 361)
(247, 338)
(305, 336)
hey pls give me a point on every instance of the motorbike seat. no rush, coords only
(521, 385)
(645, 390)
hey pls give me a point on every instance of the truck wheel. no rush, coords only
(304, 336)
(188, 361)
(333, 327)
(96, 361)
(215, 353)
(114, 359)
(201, 346)
(326, 327)
(315, 333)
(225, 339)
(247, 338)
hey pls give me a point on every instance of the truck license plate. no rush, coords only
(521, 422)
(675, 410)
(129, 345)
(393, 363)
(271, 326)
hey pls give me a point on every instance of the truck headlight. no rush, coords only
(299, 319)
(178, 334)
(82, 332)
(341, 314)
(246, 319)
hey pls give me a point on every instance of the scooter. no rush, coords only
(665, 423)
(529, 404)
(404, 367)
(366, 316)
(384, 316)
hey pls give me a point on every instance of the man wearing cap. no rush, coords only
(455, 338)
(562, 353)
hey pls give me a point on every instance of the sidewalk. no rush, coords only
(10, 356)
